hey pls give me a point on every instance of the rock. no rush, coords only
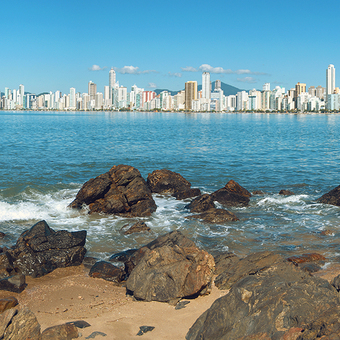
(120, 191)
(66, 331)
(107, 271)
(279, 302)
(2, 235)
(15, 283)
(286, 192)
(170, 268)
(257, 192)
(224, 261)
(232, 195)
(127, 258)
(8, 303)
(79, 324)
(201, 203)
(21, 325)
(215, 216)
(250, 265)
(145, 329)
(40, 250)
(327, 233)
(311, 257)
(187, 193)
(332, 197)
(89, 261)
(6, 265)
(181, 304)
(137, 228)
(336, 283)
(94, 334)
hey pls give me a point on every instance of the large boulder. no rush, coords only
(168, 182)
(201, 203)
(279, 302)
(332, 197)
(232, 195)
(40, 250)
(120, 191)
(168, 269)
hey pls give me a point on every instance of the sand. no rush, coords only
(69, 294)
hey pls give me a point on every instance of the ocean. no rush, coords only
(45, 157)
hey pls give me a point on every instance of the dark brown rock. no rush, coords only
(216, 216)
(332, 197)
(8, 303)
(327, 233)
(257, 192)
(6, 265)
(167, 182)
(107, 271)
(187, 193)
(311, 257)
(201, 203)
(137, 228)
(2, 235)
(170, 268)
(286, 192)
(232, 195)
(40, 250)
(66, 331)
(121, 191)
(224, 261)
(279, 302)
(15, 283)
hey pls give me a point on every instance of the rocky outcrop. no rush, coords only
(61, 332)
(201, 203)
(332, 197)
(40, 250)
(224, 261)
(168, 182)
(8, 303)
(107, 271)
(285, 192)
(168, 269)
(232, 195)
(138, 227)
(275, 302)
(121, 191)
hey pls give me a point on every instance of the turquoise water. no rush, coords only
(46, 157)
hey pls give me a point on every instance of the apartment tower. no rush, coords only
(190, 93)
(206, 87)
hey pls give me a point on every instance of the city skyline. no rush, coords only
(55, 46)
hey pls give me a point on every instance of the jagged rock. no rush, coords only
(310, 257)
(223, 261)
(8, 303)
(121, 191)
(250, 265)
(201, 203)
(336, 283)
(187, 193)
(19, 325)
(279, 302)
(66, 331)
(170, 268)
(286, 192)
(257, 192)
(215, 216)
(15, 283)
(332, 197)
(137, 228)
(145, 329)
(107, 271)
(232, 195)
(6, 265)
(40, 250)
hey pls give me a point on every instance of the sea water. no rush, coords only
(45, 157)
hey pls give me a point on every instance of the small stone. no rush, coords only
(286, 193)
(145, 329)
(94, 334)
(181, 304)
(327, 233)
(8, 303)
(79, 324)
(137, 228)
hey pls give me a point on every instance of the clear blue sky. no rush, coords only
(54, 45)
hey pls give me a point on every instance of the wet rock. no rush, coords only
(127, 258)
(215, 216)
(257, 192)
(21, 324)
(170, 268)
(332, 197)
(327, 233)
(138, 227)
(89, 261)
(40, 250)
(311, 257)
(2, 235)
(15, 283)
(187, 193)
(286, 192)
(107, 271)
(8, 303)
(120, 191)
(145, 329)
(279, 302)
(61, 332)
(201, 203)
(232, 195)
(252, 264)
(224, 261)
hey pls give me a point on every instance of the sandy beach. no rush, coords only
(69, 294)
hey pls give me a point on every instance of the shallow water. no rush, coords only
(46, 157)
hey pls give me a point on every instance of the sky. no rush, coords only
(56, 45)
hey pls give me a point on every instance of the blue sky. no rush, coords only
(55, 45)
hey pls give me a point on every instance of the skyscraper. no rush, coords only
(217, 84)
(330, 80)
(299, 88)
(206, 90)
(73, 101)
(92, 90)
(190, 93)
(112, 81)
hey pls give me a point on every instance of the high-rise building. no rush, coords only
(73, 101)
(92, 90)
(206, 87)
(217, 85)
(330, 81)
(266, 87)
(299, 88)
(191, 93)
(112, 81)
(21, 94)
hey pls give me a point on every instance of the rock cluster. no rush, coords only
(332, 197)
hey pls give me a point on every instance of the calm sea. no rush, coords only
(46, 157)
